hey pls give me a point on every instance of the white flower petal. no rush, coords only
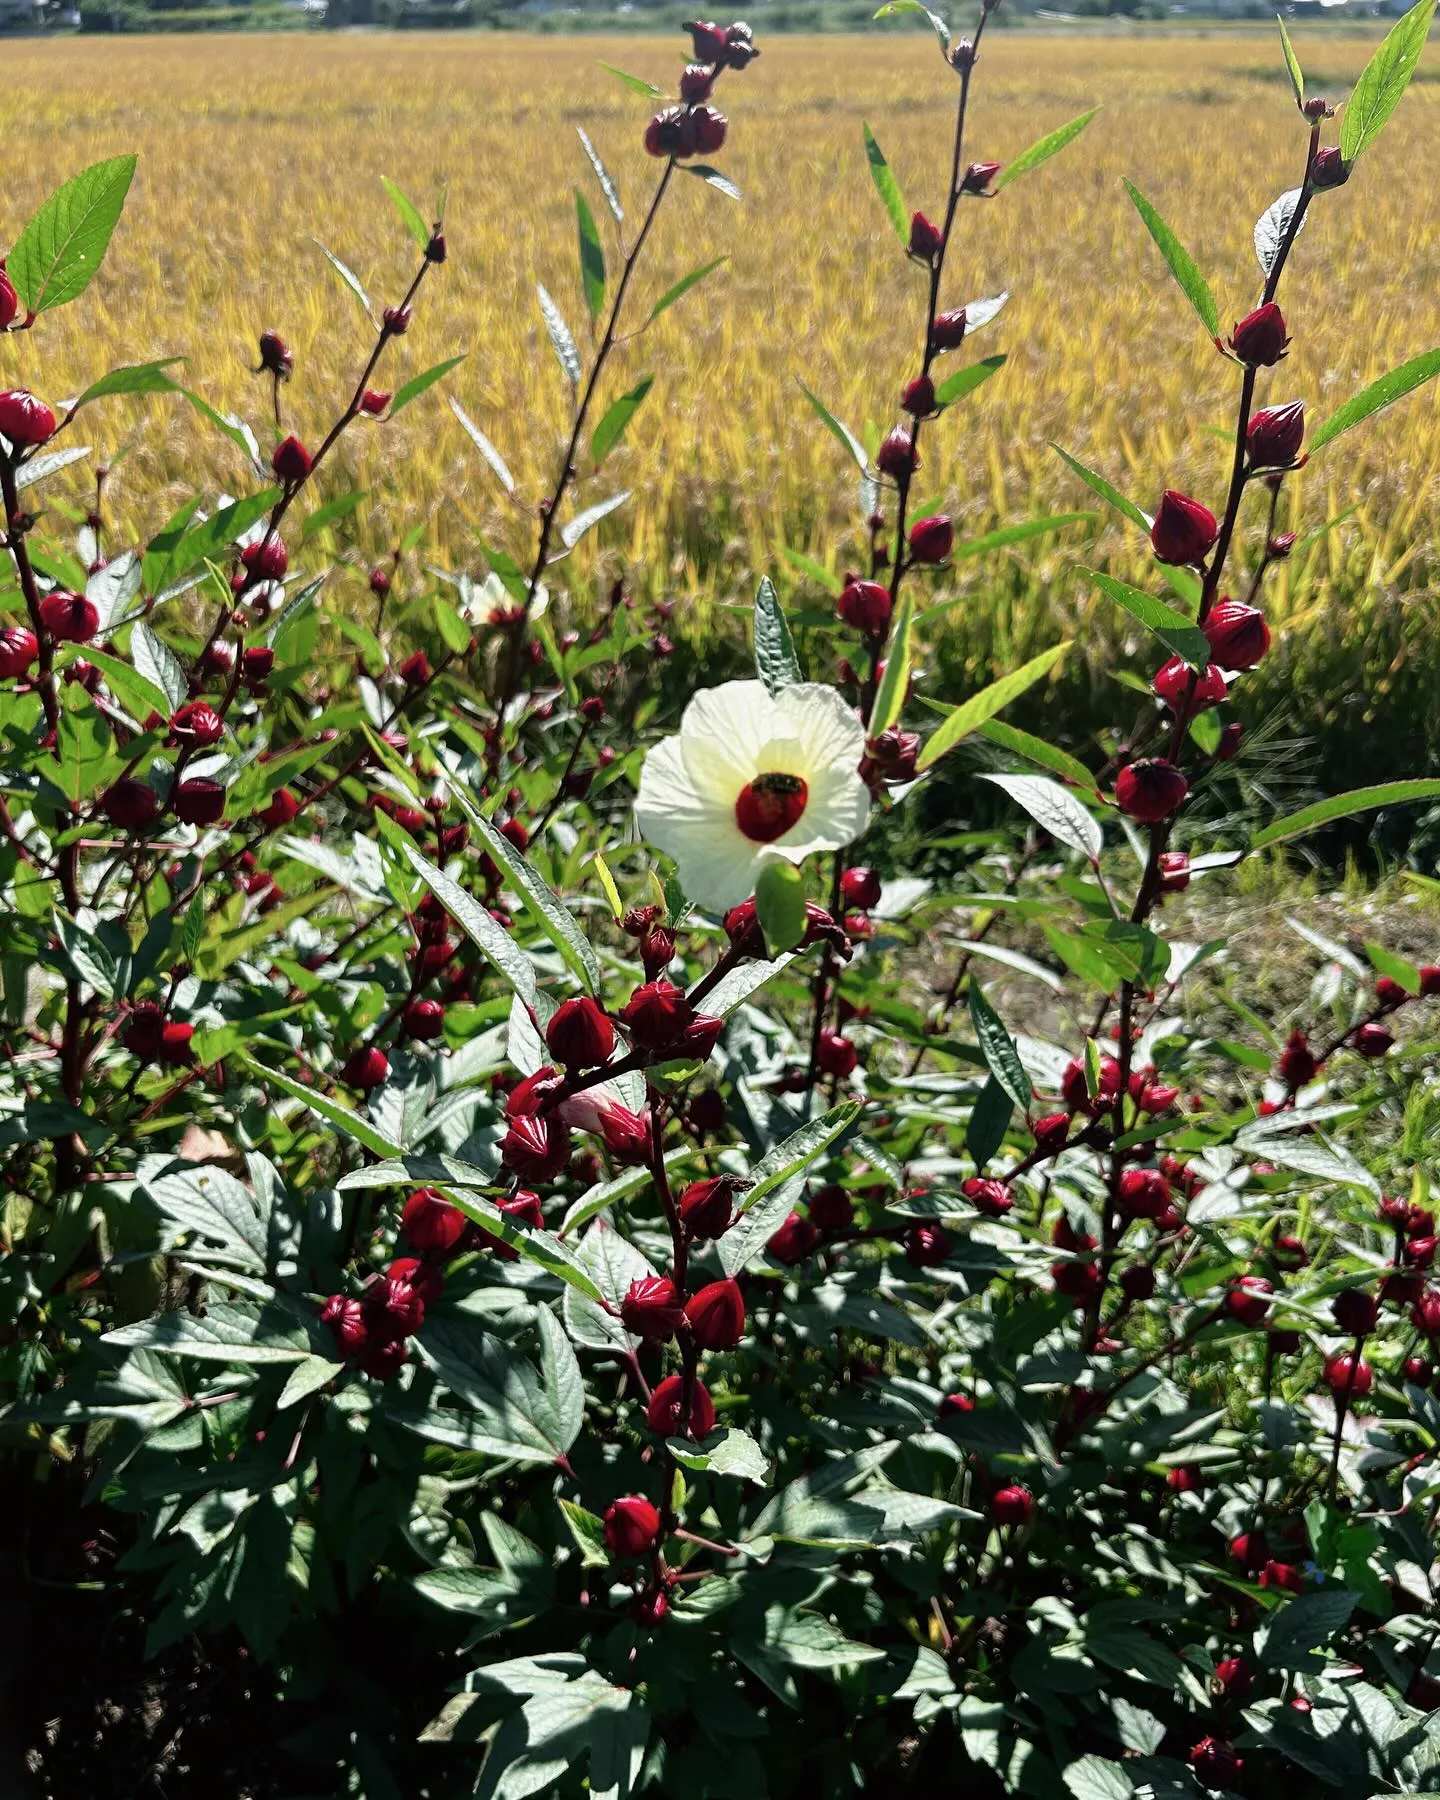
(723, 733)
(828, 727)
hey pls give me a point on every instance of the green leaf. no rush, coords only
(482, 443)
(1292, 64)
(998, 1048)
(712, 178)
(1384, 392)
(560, 337)
(411, 216)
(1008, 534)
(635, 83)
(136, 692)
(794, 1154)
(730, 1453)
(1386, 962)
(841, 433)
(1383, 81)
(1182, 267)
(84, 758)
(971, 714)
(937, 24)
(1304, 1624)
(1098, 483)
(228, 1333)
(890, 696)
(346, 274)
(1343, 806)
(1044, 150)
(775, 660)
(417, 384)
(331, 513)
(349, 1123)
(965, 381)
(618, 415)
(575, 529)
(780, 904)
(1036, 750)
(493, 942)
(1174, 631)
(592, 257)
(546, 907)
(1056, 810)
(988, 1122)
(887, 187)
(57, 254)
(822, 577)
(134, 378)
(1097, 1778)
(683, 287)
(602, 175)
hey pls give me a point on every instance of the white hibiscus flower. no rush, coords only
(751, 776)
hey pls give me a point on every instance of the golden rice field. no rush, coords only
(249, 146)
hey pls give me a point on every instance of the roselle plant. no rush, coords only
(487, 1220)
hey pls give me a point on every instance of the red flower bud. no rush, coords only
(1296, 1064)
(19, 647)
(1137, 1282)
(267, 559)
(1178, 685)
(1249, 1299)
(671, 132)
(1150, 790)
(707, 129)
(657, 951)
(740, 48)
(1184, 531)
(423, 1020)
(130, 804)
(534, 1148)
(580, 1035)
(992, 1198)
(1389, 993)
(926, 1246)
(1415, 1369)
(1185, 1478)
(373, 402)
(1251, 1550)
(1216, 1763)
(70, 618)
(199, 801)
(706, 1207)
(978, 176)
(1355, 1312)
(696, 81)
(1174, 872)
(1348, 1376)
(865, 606)
(656, 1014)
(1372, 1040)
(835, 1055)
(1282, 1575)
(897, 456)
(1052, 1131)
(143, 1032)
(196, 725)
(534, 1094)
(931, 540)
(947, 329)
(1076, 1093)
(708, 41)
(652, 1309)
(280, 810)
(1260, 337)
(1237, 634)
(1274, 435)
(632, 1526)
(662, 1413)
(396, 320)
(1012, 1506)
(831, 1208)
(1144, 1193)
(424, 1277)
(717, 1315)
(794, 1240)
(346, 1318)
(365, 1068)
(9, 301)
(1229, 745)
(275, 358)
(291, 461)
(25, 420)
(1425, 1313)
(918, 398)
(1329, 169)
(431, 1223)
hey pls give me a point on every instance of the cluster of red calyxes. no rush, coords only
(692, 127)
(1300, 1062)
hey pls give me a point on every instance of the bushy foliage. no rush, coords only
(490, 1220)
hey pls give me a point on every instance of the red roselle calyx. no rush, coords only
(25, 420)
(131, 805)
(430, 1223)
(1329, 169)
(580, 1035)
(373, 403)
(918, 399)
(662, 1412)
(69, 618)
(931, 540)
(925, 239)
(717, 1315)
(653, 1309)
(707, 1207)
(977, 178)
(632, 1526)
(291, 461)
(1174, 872)
(196, 725)
(1178, 685)
(1150, 790)
(696, 81)
(865, 606)
(19, 647)
(266, 559)
(199, 801)
(1184, 531)
(1237, 633)
(1274, 435)
(1260, 338)
(9, 301)
(1296, 1064)
(897, 456)
(793, 1242)
(275, 357)
(947, 329)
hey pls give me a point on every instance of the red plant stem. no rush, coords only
(567, 466)
(15, 543)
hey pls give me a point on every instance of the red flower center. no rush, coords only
(770, 805)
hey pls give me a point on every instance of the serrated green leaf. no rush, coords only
(1177, 634)
(1292, 64)
(998, 1048)
(1098, 484)
(971, 714)
(55, 257)
(1383, 81)
(775, 660)
(841, 433)
(1382, 393)
(890, 696)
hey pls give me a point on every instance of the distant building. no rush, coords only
(18, 15)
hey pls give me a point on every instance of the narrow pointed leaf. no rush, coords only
(347, 275)
(135, 378)
(482, 443)
(974, 712)
(965, 381)
(592, 257)
(560, 337)
(713, 178)
(1292, 64)
(1175, 631)
(348, 1123)
(1182, 266)
(998, 1048)
(1056, 810)
(635, 83)
(1383, 81)
(1099, 485)
(1036, 750)
(775, 660)
(571, 534)
(602, 175)
(1382, 393)
(411, 216)
(493, 942)
(942, 31)
(417, 385)
(616, 420)
(841, 433)
(887, 187)
(890, 697)
(1044, 149)
(683, 287)
(1343, 806)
